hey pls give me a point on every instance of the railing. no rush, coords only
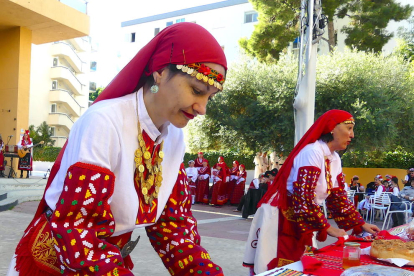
(70, 94)
(61, 113)
(70, 72)
(71, 47)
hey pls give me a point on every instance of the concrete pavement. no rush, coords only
(223, 233)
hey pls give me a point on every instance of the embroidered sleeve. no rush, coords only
(342, 209)
(175, 237)
(308, 214)
(83, 219)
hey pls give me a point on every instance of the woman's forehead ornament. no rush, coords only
(204, 73)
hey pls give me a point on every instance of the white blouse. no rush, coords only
(314, 155)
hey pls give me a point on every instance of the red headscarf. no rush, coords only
(244, 168)
(181, 43)
(323, 125)
(236, 162)
(29, 141)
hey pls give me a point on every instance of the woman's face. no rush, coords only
(234, 165)
(343, 134)
(241, 168)
(191, 164)
(182, 97)
(204, 164)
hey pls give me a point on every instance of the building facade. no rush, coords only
(59, 85)
(227, 21)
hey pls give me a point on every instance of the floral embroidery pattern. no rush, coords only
(175, 237)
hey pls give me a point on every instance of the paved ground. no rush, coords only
(223, 234)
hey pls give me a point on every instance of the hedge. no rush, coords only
(48, 154)
(398, 159)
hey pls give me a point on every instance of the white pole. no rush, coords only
(304, 103)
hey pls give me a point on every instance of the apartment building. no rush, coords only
(59, 85)
(228, 21)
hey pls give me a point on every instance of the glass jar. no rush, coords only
(352, 255)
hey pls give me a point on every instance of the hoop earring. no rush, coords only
(154, 89)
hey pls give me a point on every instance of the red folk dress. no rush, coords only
(95, 201)
(26, 163)
(239, 188)
(219, 196)
(233, 179)
(203, 182)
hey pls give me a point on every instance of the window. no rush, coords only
(169, 23)
(52, 131)
(180, 20)
(250, 17)
(132, 37)
(92, 86)
(156, 31)
(53, 108)
(55, 62)
(296, 43)
(93, 66)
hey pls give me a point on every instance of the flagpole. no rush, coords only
(310, 34)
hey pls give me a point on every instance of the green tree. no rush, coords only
(405, 45)
(94, 95)
(255, 111)
(42, 133)
(278, 24)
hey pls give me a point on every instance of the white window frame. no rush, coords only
(53, 131)
(53, 108)
(252, 13)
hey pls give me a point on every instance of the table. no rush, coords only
(331, 257)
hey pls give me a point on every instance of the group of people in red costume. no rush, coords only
(228, 183)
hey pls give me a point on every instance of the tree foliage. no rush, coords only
(42, 133)
(94, 95)
(255, 111)
(405, 46)
(279, 23)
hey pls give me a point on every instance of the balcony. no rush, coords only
(81, 44)
(64, 74)
(63, 96)
(59, 141)
(60, 120)
(66, 51)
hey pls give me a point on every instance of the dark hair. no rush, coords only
(267, 173)
(172, 72)
(328, 137)
(355, 178)
(395, 180)
(274, 171)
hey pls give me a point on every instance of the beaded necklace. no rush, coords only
(143, 159)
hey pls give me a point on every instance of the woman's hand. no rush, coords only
(370, 228)
(336, 232)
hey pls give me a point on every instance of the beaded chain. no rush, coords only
(143, 159)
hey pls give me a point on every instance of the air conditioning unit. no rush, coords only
(54, 85)
(55, 62)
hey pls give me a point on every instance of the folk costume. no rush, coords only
(203, 188)
(192, 175)
(199, 161)
(258, 163)
(131, 176)
(238, 190)
(233, 178)
(289, 212)
(26, 162)
(1, 158)
(219, 196)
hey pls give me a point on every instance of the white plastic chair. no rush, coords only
(407, 211)
(380, 203)
(351, 194)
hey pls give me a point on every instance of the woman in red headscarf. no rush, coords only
(219, 196)
(203, 181)
(122, 167)
(290, 211)
(232, 178)
(239, 187)
(26, 162)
